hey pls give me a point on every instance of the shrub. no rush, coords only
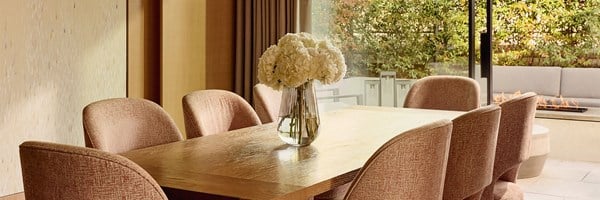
(407, 36)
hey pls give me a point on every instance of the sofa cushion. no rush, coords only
(541, 80)
(580, 82)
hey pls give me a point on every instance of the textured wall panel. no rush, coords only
(56, 56)
(183, 67)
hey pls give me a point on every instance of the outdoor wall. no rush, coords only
(573, 139)
(56, 56)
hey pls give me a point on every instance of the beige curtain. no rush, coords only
(259, 24)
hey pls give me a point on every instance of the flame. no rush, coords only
(499, 98)
(564, 102)
(575, 103)
(542, 102)
(503, 97)
(553, 103)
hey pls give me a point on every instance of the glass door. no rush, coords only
(388, 44)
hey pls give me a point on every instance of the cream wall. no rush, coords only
(572, 139)
(56, 56)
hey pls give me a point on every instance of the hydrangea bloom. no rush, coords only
(298, 58)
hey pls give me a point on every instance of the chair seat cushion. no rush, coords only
(504, 190)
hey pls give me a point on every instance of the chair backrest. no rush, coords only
(208, 112)
(411, 165)
(123, 124)
(266, 103)
(444, 93)
(55, 171)
(472, 151)
(514, 134)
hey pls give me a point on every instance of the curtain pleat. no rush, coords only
(259, 24)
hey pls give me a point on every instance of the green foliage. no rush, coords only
(547, 33)
(412, 36)
(399, 35)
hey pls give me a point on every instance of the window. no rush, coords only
(394, 38)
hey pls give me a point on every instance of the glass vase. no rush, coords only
(299, 115)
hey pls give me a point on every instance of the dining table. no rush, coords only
(254, 163)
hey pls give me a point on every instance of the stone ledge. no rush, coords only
(593, 115)
(573, 140)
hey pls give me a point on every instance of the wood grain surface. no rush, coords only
(253, 163)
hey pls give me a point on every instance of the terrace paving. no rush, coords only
(564, 180)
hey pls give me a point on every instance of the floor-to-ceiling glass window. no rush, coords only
(552, 48)
(388, 44)
(540, 38)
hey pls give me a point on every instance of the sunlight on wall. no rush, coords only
(56, 56)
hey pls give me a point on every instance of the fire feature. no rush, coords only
(560, 104)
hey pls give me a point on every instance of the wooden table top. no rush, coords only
(253, 163)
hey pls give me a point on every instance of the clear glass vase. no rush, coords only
(299, 115)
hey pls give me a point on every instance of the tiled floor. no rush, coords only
(564, 180)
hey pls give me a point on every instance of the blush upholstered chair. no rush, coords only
(210, 112)
(55, 171)
(123, 124)
(444, 93)
(514, 135)
(472, 151)
(411, 166)
(266, 103)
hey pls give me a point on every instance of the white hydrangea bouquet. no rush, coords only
(291, 66)
(298, 58)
